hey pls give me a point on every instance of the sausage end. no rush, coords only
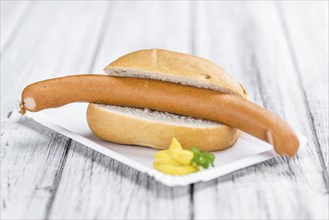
(22, 109)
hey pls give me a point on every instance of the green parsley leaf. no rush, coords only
(203, 159)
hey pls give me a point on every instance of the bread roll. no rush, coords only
(156, 129)
(175, 67)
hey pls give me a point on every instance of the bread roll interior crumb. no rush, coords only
(163, 117)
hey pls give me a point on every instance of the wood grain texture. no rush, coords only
(12, 15)
(309, 50)
(32, 157)
(263, 61)
(265, 45)
(31, 161)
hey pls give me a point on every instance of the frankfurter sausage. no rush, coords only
(167, 97)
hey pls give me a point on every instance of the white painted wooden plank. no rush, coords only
(32, 157)
(94, 186)
(12, 14)
(249, 41)
(306, 26)
(136, 26)
(48, 45)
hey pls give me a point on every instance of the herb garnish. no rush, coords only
(203, 159)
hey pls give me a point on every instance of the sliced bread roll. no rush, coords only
(175, 67)
(156, 129)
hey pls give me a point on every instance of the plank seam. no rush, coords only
(57, 180)
(101, 37)
(192, 201)
(192, 28)
(258, 77)
(192, 50)
(310, 117)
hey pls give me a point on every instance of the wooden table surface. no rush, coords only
(278, 50)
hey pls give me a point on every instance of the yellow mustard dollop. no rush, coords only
(175, 160)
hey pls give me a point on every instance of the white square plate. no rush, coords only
(70, 121)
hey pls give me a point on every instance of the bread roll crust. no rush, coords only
(177, 68)
(123, 128)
